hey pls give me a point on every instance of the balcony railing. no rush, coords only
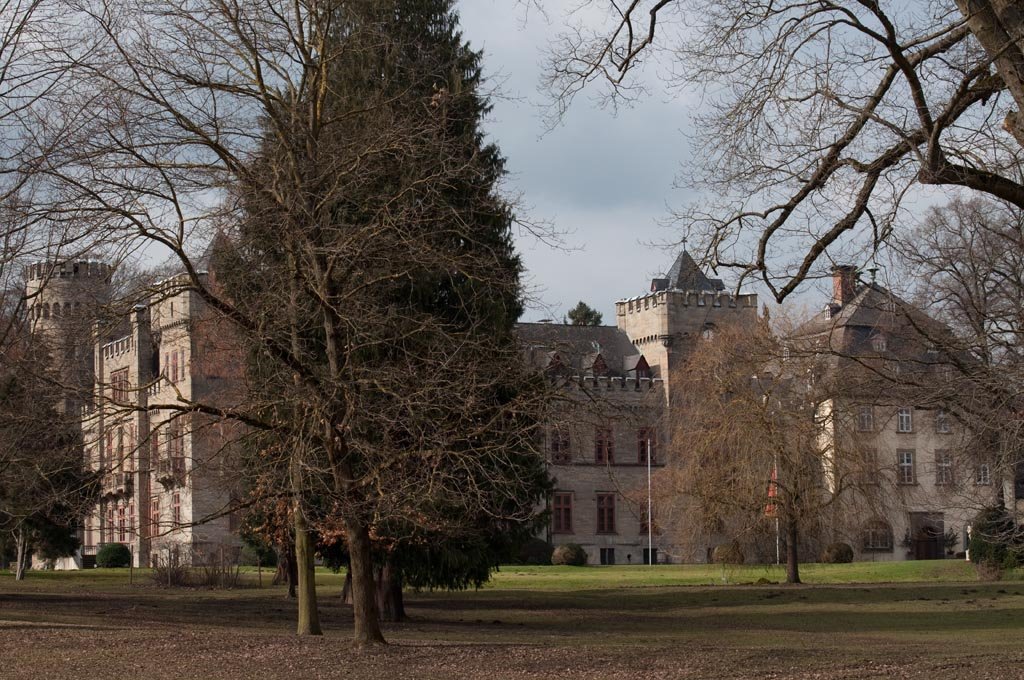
(170, 470)
(118, 483)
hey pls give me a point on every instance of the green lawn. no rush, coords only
(515, 577)
(924, 620)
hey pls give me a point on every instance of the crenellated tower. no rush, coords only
(680, 308)
(63, 299)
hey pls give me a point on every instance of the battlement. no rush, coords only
(685, 299)
(79, 269)
(591, 382)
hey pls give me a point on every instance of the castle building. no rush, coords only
(616, 415)
(928, 479)
(169, 484)
(170, 476)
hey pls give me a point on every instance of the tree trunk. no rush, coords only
(389, 592)
(346, 590)
(309, 615)
(792, 551)
(999, 26)
(364, 592)
(20, 557)
(292, 565)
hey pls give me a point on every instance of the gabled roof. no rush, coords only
(875, 310)
(578, 347)
(686, 275)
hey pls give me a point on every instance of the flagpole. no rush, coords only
(650, 518)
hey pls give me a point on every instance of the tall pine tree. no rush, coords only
(375, 252)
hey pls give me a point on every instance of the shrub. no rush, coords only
(570, 554)
(994, 542)
(113, 555)
(170, 575)
(535, 551)
(837, 553)
(728, 553)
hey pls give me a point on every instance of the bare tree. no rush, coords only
(756, 444)
(819, 119)
(969, 259)
(365, 266)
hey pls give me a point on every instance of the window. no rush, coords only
(905, 473)
(866, 419)
(983, 475)
(878, 342)
(154, 517)
(877, 536)
(943, 468)
(110, 524)
(174, 367)
(131, 517)
(119, 384)
(559, 445)
(942, 422)
(561, 508)
(904, 419)
(607, 555)
(869, 466)
(176, 508)
(646, 440)
(606, 513)
(122, 535)
(604, 446)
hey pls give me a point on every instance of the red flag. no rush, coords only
(773, 492)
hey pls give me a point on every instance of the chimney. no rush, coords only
(844, 281)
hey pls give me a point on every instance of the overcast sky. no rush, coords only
(605, 180)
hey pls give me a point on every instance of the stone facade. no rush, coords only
(169, 484)
(928, 482)
(617, 388)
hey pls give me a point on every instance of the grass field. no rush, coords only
(914, 619)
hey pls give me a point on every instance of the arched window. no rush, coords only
(877, 536)
(878, 342)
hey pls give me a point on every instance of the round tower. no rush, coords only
(63, 299)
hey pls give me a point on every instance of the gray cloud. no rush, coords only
(604, 179)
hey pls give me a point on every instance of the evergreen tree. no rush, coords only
(44, 488)
(584, 315)
(376, 254)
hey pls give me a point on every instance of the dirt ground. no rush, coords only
(906, 631)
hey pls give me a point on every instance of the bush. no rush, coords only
(994, 542)
(535, 551)
(570, 554)
(837, 553)
(113, 555)
(170, 575)
(727, 553)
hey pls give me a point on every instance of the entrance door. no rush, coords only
(927, 532)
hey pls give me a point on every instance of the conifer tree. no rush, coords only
(377, 248)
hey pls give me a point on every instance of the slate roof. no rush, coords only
(874, 309)
(578, 346)
(686, 275)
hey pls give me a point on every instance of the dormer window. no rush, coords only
(878, 342)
